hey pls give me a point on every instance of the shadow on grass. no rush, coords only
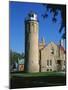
(39, 81)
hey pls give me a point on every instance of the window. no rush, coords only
(52, 50)
(35, 27)
(32, 24)
(32, 27)
(28, 27)
(48, 62)
(50, 69)
(47, 69)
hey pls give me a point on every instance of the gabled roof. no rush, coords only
(21, 61)
(52, 43)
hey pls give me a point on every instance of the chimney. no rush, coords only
(62, 42)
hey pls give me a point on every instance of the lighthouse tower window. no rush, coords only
(32, 27)
(28, 27)
(32, 15)
(32, 24)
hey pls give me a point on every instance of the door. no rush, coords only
(59, 67)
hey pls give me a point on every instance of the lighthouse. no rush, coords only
(31, 43)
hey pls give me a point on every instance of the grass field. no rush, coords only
(41, 79)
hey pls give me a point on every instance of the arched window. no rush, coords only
(47, 69)
(50, 69)
(28, 27)
(47, 62)
(50, 62)
(32, 27)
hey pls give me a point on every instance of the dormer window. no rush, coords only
(52, 50)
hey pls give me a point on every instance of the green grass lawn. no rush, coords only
(24, 80)
(37, 74)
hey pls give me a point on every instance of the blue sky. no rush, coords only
(47, 28)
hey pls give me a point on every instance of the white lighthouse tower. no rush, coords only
(31, 43)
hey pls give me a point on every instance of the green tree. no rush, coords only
(53, 8)
(14, 56)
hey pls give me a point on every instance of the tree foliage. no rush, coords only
(54, 8)
(14, 56)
